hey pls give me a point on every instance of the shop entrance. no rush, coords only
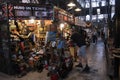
(26, 37)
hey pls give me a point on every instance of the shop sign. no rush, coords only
(63, 15)
(30, 8)
(40, 12)
(24, 11)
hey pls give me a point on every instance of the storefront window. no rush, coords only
(81, 3)
(94, 17)
(98, 11)
(103, 3)
(98, 3)
(87, 17)
(112, 2)
(87, 5)
(95, 4)
(100, 16)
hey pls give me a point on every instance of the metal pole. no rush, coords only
(8, 63)
(90, 11)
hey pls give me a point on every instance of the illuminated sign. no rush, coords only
(40, 12)
(25, 11)
(30, 8)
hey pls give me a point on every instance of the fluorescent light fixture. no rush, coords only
(71, 4)
(77, 9)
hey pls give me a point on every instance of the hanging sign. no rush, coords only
(24, 11)
(40, 12)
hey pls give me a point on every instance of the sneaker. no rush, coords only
(86, 69)
(79, 65)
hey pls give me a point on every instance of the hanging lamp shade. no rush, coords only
(71, 4)
(77, 9)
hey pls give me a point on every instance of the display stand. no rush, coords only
(61, 61)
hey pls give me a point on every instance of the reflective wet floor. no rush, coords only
(96, 60)
(97, 63)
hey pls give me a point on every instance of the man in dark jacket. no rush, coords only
(79, 38)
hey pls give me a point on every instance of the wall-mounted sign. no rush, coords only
(63, 15)
(37, 8)
(27, 10)
(40, 12)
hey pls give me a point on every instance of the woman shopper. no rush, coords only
(79, 38)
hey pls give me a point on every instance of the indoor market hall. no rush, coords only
(96, 60)
(59, 39)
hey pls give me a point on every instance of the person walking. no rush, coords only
(79, 38)
(94, 37)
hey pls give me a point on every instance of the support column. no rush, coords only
(117, 24)
(117, 37)
(90, 11)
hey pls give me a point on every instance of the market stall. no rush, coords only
(65, 21)
(26, 27)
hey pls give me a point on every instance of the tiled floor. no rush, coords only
(97, 63)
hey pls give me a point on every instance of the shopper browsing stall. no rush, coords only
(79, 39)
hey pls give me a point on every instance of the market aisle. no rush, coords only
(97, 62)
